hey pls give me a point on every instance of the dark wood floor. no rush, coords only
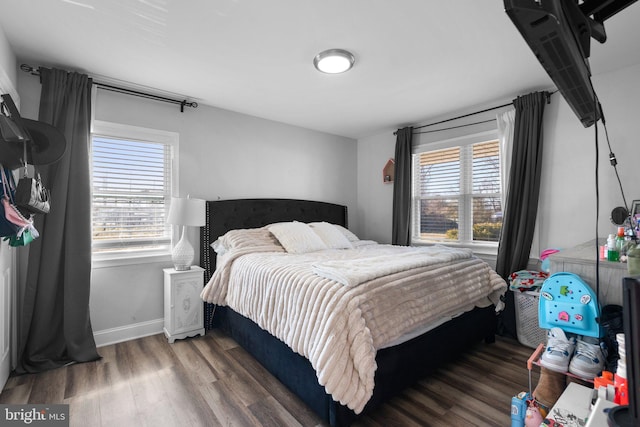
(210, 381)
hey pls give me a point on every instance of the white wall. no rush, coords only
(567, 197)
(374, 196)
(222, 155)
(8, 69)
(568, 200)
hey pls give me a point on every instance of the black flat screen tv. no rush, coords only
(559, 33)
(559, 37)
(629, 415)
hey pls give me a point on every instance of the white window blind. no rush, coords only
(132, 183)
(457, 193)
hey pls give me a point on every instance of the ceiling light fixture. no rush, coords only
(334, 61)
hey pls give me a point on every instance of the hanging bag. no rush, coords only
(27, 236)
(24, 231)
(13, 215)
(31, 195)
(7, 228)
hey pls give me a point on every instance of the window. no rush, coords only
(132, 181)
(457, 192)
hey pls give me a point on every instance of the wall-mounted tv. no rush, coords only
(559, 33)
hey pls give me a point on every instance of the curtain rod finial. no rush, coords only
(29, 69)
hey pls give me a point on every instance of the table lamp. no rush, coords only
(185, 212)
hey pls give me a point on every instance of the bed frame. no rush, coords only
(398, 367)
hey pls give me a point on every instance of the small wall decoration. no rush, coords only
(388, 171)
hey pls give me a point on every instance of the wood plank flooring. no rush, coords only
(211, 381)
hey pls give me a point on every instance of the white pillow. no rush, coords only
(219, 247)
(297, 237)
(246, 238)
(348, 234)
(331, 235)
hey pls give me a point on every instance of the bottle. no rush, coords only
(620, 241)
(620, 377)
(612, 250)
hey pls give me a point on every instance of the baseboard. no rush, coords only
(128, 332)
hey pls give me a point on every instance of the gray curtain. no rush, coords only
(522, 200)
(401, 220)
(55, 327)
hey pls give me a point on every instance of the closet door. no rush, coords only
(7, 311)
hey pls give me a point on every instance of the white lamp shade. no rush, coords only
(190, 212)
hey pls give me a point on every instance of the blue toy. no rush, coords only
(519, 408)
(567, 302)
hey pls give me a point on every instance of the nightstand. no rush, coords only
(183, 307)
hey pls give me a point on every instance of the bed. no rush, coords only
(395, 366)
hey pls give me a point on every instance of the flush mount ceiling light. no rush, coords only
(334, 61)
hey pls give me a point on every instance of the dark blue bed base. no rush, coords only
(398, 366)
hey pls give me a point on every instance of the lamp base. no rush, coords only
(182, 253)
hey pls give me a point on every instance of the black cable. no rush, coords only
(614, 163)
(597, 208)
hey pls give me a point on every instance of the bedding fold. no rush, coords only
(352, 272)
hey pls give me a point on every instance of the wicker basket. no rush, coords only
(527, 328)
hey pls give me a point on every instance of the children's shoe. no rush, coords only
(559, 350)
(589, 358)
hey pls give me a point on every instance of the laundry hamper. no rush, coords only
(527, 326)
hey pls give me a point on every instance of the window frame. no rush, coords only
(136, 133)
(466, 198)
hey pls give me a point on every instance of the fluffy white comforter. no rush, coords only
(339, 326)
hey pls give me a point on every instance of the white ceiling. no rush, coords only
(415, 59)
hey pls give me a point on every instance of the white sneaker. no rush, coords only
(589, 358)
(559, 350)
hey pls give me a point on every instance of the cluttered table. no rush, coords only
(582, 259)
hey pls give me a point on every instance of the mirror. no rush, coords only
(619, 215)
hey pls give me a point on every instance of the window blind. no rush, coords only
(457, 193)
(131, 183)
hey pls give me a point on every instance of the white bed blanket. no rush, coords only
(339, 328)
(352, 272)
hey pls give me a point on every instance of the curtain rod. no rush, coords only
(453, 127)
(466, 115)
(456, 118)
(36, 72)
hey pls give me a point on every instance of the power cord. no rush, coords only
(613, 161)
(595, 126)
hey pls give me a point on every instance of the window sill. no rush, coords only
(486, 249)
(113, 260)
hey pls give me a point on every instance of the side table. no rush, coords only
(183, 308)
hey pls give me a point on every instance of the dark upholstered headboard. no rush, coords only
(225, 215)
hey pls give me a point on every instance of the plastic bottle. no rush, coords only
(620, 377)
(620, 243)
(612, 249)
